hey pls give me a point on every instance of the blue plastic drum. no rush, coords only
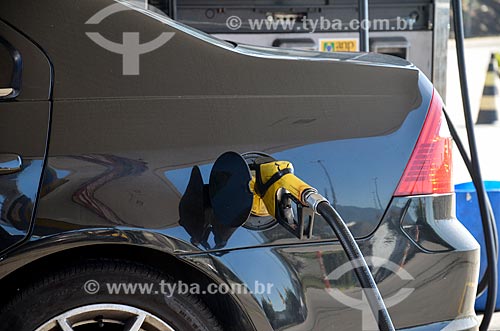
(468, 214)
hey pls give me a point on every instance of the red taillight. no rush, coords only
(429, 168)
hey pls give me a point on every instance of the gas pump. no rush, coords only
(417, 31)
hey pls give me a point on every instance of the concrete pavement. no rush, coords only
(477, 55)
(495, 322)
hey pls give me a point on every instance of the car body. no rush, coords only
(107, 157)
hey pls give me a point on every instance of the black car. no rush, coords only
(111, 117)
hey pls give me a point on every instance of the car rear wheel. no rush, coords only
(64, 301)
(105, 317)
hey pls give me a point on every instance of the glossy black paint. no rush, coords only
(300, 295)
(154, 128)
(443, 283)
(156, 148)
(123, 149)
(24, 121)
(302, 278)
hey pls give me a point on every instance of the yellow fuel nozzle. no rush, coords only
(270, 177)
(258, 205)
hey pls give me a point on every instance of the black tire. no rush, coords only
(64, 290)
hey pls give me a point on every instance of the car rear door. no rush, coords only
(25, 90)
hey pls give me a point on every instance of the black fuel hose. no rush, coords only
(487, 221)
(361, 269)
(483, 283)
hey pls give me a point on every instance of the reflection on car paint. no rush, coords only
(17, 198)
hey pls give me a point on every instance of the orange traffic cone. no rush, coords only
(490, 102)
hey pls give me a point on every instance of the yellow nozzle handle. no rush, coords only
(275, 175)
(258, 205)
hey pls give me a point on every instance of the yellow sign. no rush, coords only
(338, 45)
